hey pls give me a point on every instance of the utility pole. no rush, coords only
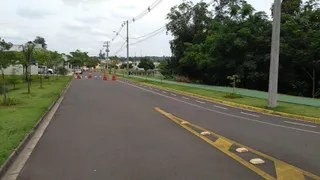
(274, 61)
(106, 45)
(127, 48)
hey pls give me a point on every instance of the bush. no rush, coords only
(183, 79)
(62, 71)
(10, 101)
(14, 79)
(232, 96)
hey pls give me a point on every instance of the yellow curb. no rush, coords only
(312, 119)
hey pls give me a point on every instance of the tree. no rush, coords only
(28, 50)
(6, 57)
(146, 64)
(234, 80)
(40, 40)
(124, 66)
(92, 62)
(78, 58)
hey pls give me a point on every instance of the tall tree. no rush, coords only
(40, 40)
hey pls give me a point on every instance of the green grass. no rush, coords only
(297, 109)
(16, 121)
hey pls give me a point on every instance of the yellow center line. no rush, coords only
(220, 147)
(283, 170)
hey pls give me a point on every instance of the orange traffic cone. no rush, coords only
(113, 77)
(105, 77)
(78, 76)
(90, 75)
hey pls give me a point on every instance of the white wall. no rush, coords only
(19, 70)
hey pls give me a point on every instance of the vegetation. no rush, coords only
(24, 110)
(146, 64)
(208, 46)
(297, 109)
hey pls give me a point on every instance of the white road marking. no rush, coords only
(226, 114)
(220, 107)
(308, 125)
(164, 92)
(250, 114)
(173, 94)
(184, 97)
(200, 102)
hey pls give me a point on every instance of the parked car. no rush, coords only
(50, 71)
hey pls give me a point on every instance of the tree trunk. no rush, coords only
(313, 83)
(5, 102)
(40, 80)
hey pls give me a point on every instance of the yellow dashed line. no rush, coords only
(283, 170)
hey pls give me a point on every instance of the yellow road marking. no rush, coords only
(221, 148)
(283, 170)
(287, 172)
(223, 144)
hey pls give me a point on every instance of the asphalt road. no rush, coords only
(110, 130)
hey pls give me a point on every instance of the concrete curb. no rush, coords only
(232, 104)
(6, 165)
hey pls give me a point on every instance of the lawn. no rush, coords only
(303, 110)
(16, 121)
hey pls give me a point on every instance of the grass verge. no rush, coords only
(16, 121)
(296, 109)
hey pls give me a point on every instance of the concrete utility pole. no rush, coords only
(106, 45)
(127, 48)
(274, 61)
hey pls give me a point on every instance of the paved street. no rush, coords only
(111, 130)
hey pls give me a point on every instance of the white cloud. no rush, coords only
(85, 24)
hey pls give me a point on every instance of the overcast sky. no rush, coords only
(84, 24)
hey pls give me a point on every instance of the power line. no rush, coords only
(148, 33)
(120, 49)
(145, 12)
(148, 37)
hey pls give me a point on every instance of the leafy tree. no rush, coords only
(28, 50)
(146, 64)
(164, 68)
(236, 39)
(124, 66)
(78, 58)
(40, 40)
(92, 62)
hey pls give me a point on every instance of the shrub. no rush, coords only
(183, 79)
(10, 101)
(62, 71)
(232, 96)
(14, 79)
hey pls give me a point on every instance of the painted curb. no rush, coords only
(6, 165)
(232, 104)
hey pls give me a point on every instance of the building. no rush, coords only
(18, 69)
